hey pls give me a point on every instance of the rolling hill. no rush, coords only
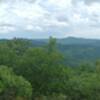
(75, 50)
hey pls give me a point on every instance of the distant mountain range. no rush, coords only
(71, 40)
(67, 41)
(75, 50)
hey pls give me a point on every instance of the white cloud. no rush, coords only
(62, 4)
(33, 28)
(41, 16)
(7, 29)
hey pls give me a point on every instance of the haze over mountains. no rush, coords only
(71, 41)
(65, 41)
(75, 50)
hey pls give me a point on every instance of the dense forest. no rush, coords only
(85, 50)
(35, 70)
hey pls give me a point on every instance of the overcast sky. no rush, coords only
(44, 18)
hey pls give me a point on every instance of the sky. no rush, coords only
(44, 18)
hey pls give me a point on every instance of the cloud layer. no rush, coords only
(43, 18)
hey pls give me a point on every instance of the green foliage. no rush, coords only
(13, 85)
(54, 96)
(51, 47)
(39, 73)
(19, 45)
(84, 87)
(45, 69)
(7, 56)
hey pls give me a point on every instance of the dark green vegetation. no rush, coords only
(41, 70)
(76, 51)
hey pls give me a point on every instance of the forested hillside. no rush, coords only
(85, 50)
(41, 70)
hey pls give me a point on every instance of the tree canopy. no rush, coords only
(39, 73)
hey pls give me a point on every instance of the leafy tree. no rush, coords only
(51, 46)
(13, 86)
(19, 45)
(7, 56)
(44, 70)
(39, 72)
(85, 86)
(98, 66)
